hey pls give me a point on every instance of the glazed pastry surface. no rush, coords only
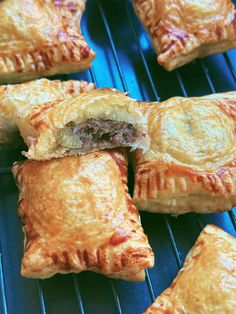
(41, 38)
(183, 30)
(38, 92)
(191, 162)
(207, 282)
(46, 128)
(77, 215)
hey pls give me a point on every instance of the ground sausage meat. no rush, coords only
(99, 134)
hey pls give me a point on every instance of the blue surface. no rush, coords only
(125, 60)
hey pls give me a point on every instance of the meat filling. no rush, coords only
(99, 134)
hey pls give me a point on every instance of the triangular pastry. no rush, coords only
(207, 282)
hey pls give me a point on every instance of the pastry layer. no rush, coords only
(77, 215)
(191, 162)
(41, 38)
(207, 282)
(101, 118)
(183, 30)
(35, 93)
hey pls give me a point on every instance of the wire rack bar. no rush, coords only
(41, 297)
(116, 297)
(181, 84)
(230, 65)
(142, 55)
(124, 84)
(173, 242)
(233, 219)
(199, 222)
(93, 76)
(150, 287)
(78, 294)
(206, 72)
(5, 170)
(2, 287)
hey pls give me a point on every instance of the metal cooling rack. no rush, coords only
(125, 60)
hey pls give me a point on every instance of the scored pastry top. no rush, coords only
(98, 119)
(41, 37)
(34, 93)
(191, 161)
(194, 132)
(206, 283)
(78, 215)
(183, 30)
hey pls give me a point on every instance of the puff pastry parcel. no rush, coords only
(207, 282)
(191, 162)
(32, 93)
(78, 215)
(98, 119)
(183, 30)
(41, 37)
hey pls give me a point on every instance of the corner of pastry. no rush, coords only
(206, 282)
(183, 30)
(77, 215)
(29, 50)
(38, 92)
(190, 165)
(95, 120)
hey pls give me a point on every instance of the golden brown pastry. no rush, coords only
(41, 37)
(98, 119)
(207, 282)
(191, 162)
(32, 93)
(183, 30)
(78, 215)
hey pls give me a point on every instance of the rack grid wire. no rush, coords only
(126, 61)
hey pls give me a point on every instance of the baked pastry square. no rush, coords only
(191, 162)
(95, 120)
(32, 93)
(207, 282)
(183, 30)
(41, 38)
(78, 215)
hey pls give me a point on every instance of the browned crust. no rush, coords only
(166, 186)
(211, 258)
(124, 254)
(176, 46)
(155, 178)
(13, 97)
(68, 53)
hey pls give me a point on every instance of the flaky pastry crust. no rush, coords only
(41, 126)
(183, 30)
(38, 92)
(41, 38)
(191, 162)
(77, 215)
(206, 283)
